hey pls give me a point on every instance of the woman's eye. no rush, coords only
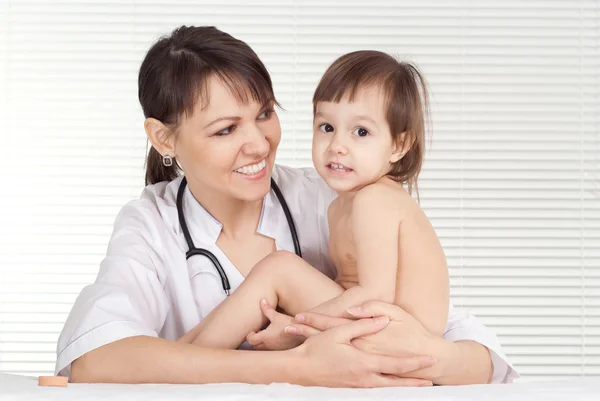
(360, 132)
(226, 131)
(325, 128)
(265, 114)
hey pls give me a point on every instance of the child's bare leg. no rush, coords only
(282, 278)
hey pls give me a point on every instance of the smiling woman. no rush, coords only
(222, 154)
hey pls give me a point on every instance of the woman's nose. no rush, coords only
(256, 142)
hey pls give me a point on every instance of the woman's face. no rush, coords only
(228, 148)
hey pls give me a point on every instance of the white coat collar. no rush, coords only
(204, 228)
(273, 222)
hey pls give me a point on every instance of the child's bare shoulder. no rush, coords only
(384, 196)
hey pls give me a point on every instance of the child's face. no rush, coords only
(352, 143)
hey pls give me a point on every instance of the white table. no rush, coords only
(17, 388)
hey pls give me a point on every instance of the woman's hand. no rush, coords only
(459, 363)
(331, 360)
(404, 336)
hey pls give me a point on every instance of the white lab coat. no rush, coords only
(146, 287)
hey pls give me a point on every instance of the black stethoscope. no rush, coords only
(192, 250)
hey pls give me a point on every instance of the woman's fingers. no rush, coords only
(302, 330)
(320, 322)
(399, 366)
(377, 308)
(346, 333)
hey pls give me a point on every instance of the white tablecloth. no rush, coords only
(16, 388)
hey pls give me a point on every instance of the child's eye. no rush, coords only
(325, 128)
(226, 131)
(265, 115)
(360, 132)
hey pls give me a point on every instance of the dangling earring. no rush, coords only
(167, 161)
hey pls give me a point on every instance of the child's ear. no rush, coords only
(402, 145)
(158, 134)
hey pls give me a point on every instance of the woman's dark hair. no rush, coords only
(174, 74)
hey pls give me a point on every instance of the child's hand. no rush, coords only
(274, 337)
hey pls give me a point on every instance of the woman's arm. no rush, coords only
(327, 359)
(461, 362)
(144, 359)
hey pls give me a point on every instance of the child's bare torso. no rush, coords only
(342, 250)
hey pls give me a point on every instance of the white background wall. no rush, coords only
(511, 181)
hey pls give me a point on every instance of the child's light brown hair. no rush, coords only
(406, 97)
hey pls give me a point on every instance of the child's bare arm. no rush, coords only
(399, 260)
(374, 222)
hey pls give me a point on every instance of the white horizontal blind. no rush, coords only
(511, 181)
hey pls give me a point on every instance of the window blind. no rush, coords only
(510, 182)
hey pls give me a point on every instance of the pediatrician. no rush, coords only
(177, 252)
